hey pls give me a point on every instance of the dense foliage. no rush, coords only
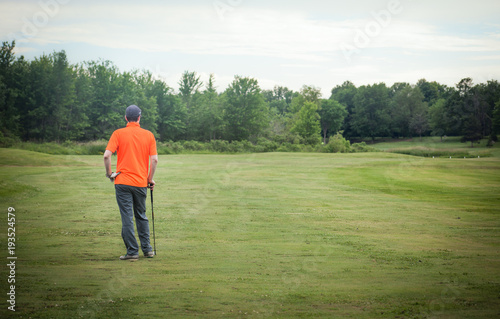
(50, 100)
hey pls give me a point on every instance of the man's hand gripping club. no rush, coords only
(112, 176)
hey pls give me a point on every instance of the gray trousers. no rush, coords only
(132, 203)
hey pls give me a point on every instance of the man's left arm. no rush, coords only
(153, 162)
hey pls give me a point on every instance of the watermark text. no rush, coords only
(11, 259)
(225, 6)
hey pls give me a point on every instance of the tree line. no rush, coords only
(49, 99)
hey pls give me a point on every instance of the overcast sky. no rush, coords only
(287, 43)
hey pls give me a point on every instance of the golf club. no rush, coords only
(153, 216)
(113, 175)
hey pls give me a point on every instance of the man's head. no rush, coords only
(133, 113)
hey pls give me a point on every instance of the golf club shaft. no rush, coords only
(153, 216)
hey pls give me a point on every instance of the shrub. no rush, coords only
(265, 145)
(241, 147)
(337, 144)
(93, 148)
(362, 148)
(175, 147)
(193, 145)
(163, 149)
(288, 147)
(220, 146)
(7, 140)
(308, 148)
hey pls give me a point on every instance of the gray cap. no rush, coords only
(133, 111)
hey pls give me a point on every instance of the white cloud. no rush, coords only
(304, 37)
(198, 30)
(485, 58)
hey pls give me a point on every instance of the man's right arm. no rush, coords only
(153, 162)
(107, 162)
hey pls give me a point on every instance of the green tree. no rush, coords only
(282, 111)
(106, 111)
(189, 85)
(466, 108)
(10, 89)
(83, 99)
(6, 56)
(344, 94)
(438, 119)
(141, 84)
(189, 88)
(69, 118)
(205, 114)
(307, 123)
(172, 113)
(307, 94)
(496, 121)
(371, 116)
(211, 113)
(280, 99)
(397, 87)
(298, 101)
(407, 106)
(332, 115)
(430, 90)
(311, 93)
(45, 97)
(419, 123)
(39, 117)
(245, 111)
(19, 97)
(453, 113)
(490, 94)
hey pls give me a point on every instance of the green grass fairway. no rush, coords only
(271, 235)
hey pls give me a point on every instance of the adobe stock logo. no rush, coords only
(223, 7)
(41, 18)
(363, 37)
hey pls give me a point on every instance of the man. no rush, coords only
(136, 166)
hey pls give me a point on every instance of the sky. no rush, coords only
(286, 43)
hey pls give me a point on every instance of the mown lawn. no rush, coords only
(273, 235)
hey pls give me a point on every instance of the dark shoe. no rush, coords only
(149, 254)
(129, 257)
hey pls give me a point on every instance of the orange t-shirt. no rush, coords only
(133, 145)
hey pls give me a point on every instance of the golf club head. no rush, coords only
(113, 175)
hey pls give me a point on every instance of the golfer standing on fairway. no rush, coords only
(135, 168)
